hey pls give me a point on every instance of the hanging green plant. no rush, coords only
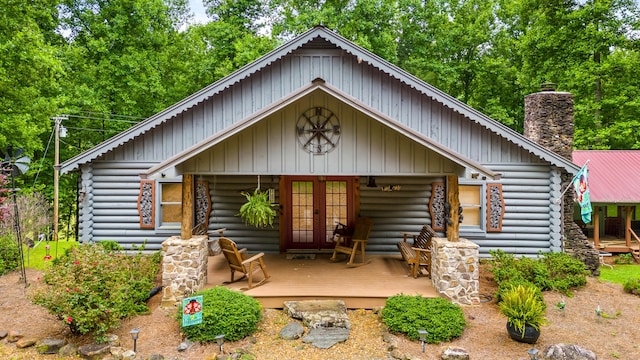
(258, 210)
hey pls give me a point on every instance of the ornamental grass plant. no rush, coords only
(522, 307)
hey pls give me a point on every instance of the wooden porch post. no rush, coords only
(596, 228)
(453, 198)
(627, 225)
(187, 207)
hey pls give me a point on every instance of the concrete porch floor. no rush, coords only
(362, 287)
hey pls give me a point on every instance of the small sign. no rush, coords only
(192, 311)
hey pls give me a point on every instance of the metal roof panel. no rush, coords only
(614, 175)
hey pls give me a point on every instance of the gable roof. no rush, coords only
(319, 85)
(614, 175)
(319, 37)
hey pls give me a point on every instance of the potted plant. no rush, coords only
(258, 210)
(525, 312)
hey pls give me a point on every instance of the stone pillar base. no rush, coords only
(455, 270)
(184, 268)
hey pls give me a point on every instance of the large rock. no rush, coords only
(325, 338)
(25, 342)
(319, 313)
(292, 331)
(14, 335)
(50, 346)
(454, 354)
(94, 351)
(567, 352)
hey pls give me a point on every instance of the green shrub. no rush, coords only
(90, 288)
(624, 259)
(408, 314)
(9, 254)
(565, 272)
(224, 312)
(550, 271)
(522, 307)
(632, 286)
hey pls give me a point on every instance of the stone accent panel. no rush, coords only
(184, 268)
(455, 270)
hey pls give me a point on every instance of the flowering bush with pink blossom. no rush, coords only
(91, 287)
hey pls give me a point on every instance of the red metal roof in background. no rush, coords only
(614, 175)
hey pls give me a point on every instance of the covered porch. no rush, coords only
(312, 276)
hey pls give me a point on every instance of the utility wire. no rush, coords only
(103, 119)
(110, 115)
(44, 156)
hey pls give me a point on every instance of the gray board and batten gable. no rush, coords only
(396, 127)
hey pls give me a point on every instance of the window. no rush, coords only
(170, 212)
(472, 202)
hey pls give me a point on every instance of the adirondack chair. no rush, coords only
(358, 238)
(239, 261)
(418, 254)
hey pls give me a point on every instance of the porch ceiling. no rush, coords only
(318, 85)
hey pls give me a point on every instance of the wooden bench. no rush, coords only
(418, 254)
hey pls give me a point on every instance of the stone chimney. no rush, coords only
(548, 120)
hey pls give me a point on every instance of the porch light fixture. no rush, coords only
(220, 341)
(423, 337)
(371, 182)
(533, 353)
(134, 335)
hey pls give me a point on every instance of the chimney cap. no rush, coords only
(548, 86)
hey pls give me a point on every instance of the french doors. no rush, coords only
(313, 206)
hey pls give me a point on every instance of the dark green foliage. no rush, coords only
(227, 312)
(9, 255)
(632, 286)
(91, 288)
(110, 245)
(408, 314)
(565, 272)
(550, 271)
(624, 259)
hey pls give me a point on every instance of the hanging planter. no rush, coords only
(258, 210)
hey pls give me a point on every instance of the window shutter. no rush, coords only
(495, 207)
(436, 206)
(146, 204)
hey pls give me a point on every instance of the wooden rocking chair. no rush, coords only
(359, 240)
(239, 261)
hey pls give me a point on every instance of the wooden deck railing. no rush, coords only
(635, 252)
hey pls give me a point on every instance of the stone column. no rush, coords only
(455, 270)
(548, 121)
(184, 267)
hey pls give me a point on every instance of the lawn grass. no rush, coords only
(620, 273)
(34, 258)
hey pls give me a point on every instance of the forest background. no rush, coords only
(104, 65)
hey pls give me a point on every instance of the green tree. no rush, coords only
(29, 72)
(372, 24)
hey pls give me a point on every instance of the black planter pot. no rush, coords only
(530, 336)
